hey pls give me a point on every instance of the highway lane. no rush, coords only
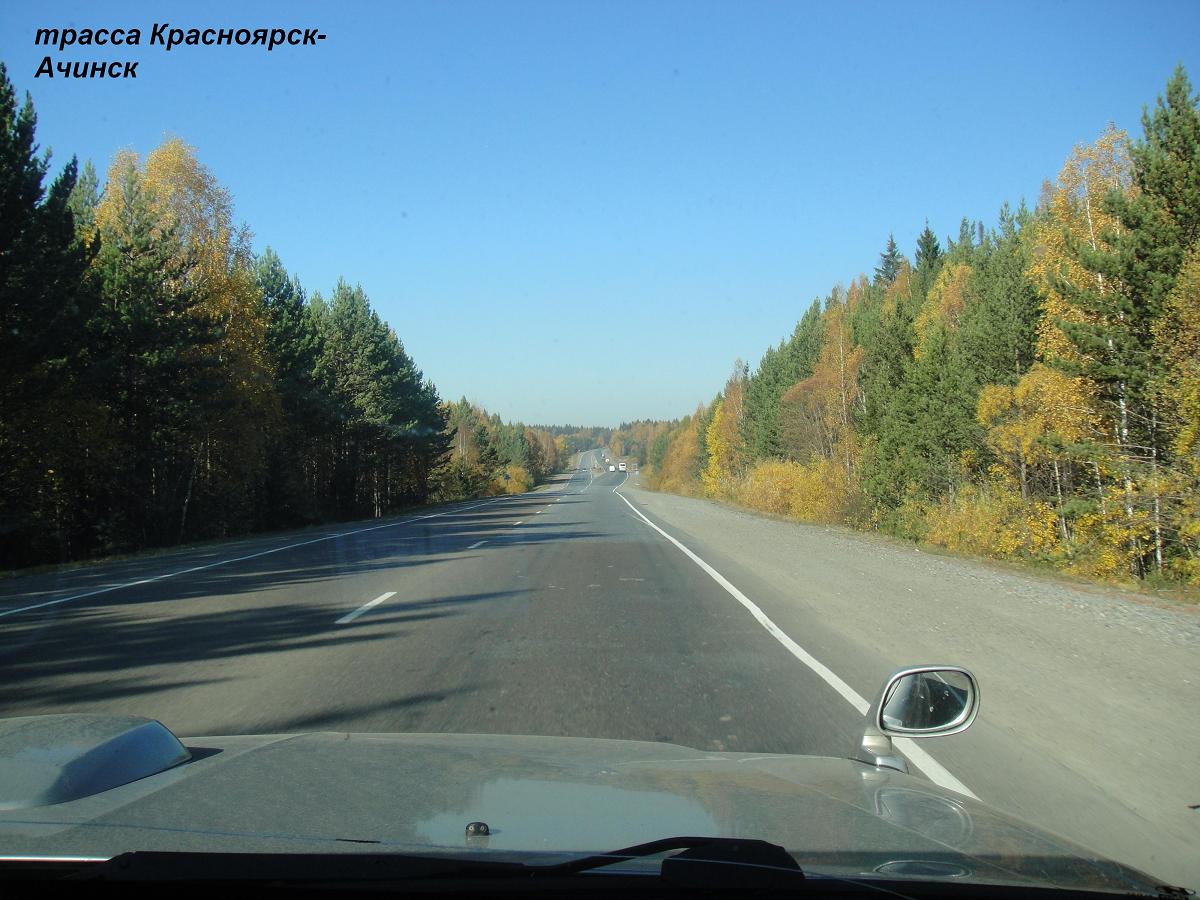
(552, 613)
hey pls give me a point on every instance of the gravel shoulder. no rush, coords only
(1103, 685)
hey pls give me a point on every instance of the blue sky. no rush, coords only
(584, 212)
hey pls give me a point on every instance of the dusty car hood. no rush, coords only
(414, 792)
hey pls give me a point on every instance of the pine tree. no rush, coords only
(927, 425)
(963, 250)
(44, 309)
(780, 368)
(293, 344)
(1159, 221)
(85, 197)
(889, 263)
(929, 251)
(998, 337)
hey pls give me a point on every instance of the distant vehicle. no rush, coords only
(623, 467)
(612, 468)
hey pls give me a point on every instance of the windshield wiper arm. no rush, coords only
(706, 859)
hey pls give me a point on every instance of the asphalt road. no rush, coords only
(558, 612)
(551, 613)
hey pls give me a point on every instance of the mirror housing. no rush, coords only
(917, 702)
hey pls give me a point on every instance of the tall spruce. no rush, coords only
(44, 308)
(929, 250)
(998, 338)
(1159, 220)
(889, 263)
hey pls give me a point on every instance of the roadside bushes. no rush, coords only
(993, 520)
(770, 487)
(513, 480)
(821, 491)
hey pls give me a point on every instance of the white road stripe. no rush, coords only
(477, 544)
(225, 562)
(516, 523)
(935, 771)
(350, 617)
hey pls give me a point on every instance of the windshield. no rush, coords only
(501, 383)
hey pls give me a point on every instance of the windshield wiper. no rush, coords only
(710, 861)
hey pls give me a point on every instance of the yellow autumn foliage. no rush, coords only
(899, 292)
(517, 481)
(1177, 335)
(993, 520)
(723, 438)
(1073, 214)
(820, 491)
(188, 194)
(512, 480)
(1044, 403)
(715, 475)
(945, 302)
(817, 413)
(213, 257)
(680, 460)
(1102, 542)
(824, 493)
(769, 486)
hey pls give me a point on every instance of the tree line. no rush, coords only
(1029, 390)
(488, 456)
(163, 384)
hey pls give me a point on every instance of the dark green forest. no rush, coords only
(163, 384)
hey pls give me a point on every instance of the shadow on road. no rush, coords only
(147, 645)
(404, 545)
(96, 655)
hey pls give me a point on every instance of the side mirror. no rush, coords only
(917, 702)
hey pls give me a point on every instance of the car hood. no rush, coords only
(416, 792)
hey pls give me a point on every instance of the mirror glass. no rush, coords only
(927, 701)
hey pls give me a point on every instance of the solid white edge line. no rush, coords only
(477, 544)
(350, 617)
(935, 771)
(225, 562)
